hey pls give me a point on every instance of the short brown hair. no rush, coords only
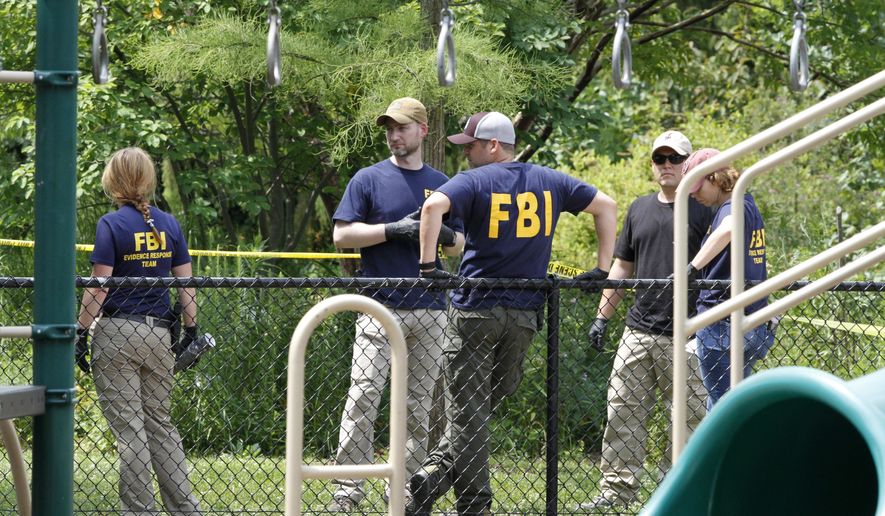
(725, 178)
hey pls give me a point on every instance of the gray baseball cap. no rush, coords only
(486, 125)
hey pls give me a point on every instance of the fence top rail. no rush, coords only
(12, 282)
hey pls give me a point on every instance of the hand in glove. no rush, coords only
(436, 274)
(406, 229)
(190, 335)
(692, 272)
(597, 334)
(594, 275)
(81, 352)
(446, 234)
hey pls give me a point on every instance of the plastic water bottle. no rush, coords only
(189, 356)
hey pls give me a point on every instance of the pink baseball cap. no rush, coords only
(696, 159)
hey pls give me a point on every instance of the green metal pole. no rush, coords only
(56, 169)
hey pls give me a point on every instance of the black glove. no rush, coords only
(190, 335)
(81, 352)
(407, 228)
(597, 334)
(692, 272)
(446, 234)
(594, 275)
(436, 274)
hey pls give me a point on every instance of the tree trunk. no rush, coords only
(435, 156)
(434, 145)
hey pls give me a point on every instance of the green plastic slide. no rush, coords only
(790, 441)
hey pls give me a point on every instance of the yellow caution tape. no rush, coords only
(865, 329)
(198, 252)
(561, 269)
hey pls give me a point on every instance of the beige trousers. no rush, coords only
(132, 364)
(642, 375)
(370, 367)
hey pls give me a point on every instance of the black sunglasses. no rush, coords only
(675, 159)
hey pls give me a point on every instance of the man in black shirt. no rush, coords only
(644, 362)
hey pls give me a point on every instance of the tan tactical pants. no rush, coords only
(642, 374)
(132, 364)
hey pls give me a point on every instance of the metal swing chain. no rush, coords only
(445, 44)
(99, 44)
(798, 50)
(274, 70)
(622, 56)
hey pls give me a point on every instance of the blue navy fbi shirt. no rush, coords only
(384, 193)
(754, 258)
(124, 241)
(510, 211)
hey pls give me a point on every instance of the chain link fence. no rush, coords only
(546, 438)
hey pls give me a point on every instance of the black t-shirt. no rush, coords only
(647, 240)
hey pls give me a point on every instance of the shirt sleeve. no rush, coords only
(354, 205)
(578, 194)
(460, 192)
(104, 252)
(181, 253)
(624, 246)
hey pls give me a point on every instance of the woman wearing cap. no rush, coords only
(713, 262)
(132, 359)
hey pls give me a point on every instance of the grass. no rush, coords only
(230, 484)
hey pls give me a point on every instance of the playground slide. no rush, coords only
(790, 441)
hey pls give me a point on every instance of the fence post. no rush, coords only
(55, 213)
(552, 441)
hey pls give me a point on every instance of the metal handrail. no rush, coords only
(12, 76)
(680, 225)
(395, 469)
(16, 332)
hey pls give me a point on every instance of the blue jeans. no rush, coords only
(714, 355)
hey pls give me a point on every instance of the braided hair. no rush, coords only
(130, 178)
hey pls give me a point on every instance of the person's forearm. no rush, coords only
(431, 221)
(605, 214)
(357, 235)
(188, 299)
(715, 244)
(606, 224)
(609, 302)
(90, 306)
(432, 212)
(611, 298)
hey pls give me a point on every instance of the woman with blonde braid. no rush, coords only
(132, 356)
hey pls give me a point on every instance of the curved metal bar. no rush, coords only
(17, 464)
(445, 42)
(274, 69)
(99, 46)
(798, 53)
(622, 55)
(395, 469)
(680, 254)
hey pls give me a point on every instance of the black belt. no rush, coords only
(150, 320)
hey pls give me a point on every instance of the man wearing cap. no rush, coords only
(379, 215)
(642, 371)
(510, 211)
